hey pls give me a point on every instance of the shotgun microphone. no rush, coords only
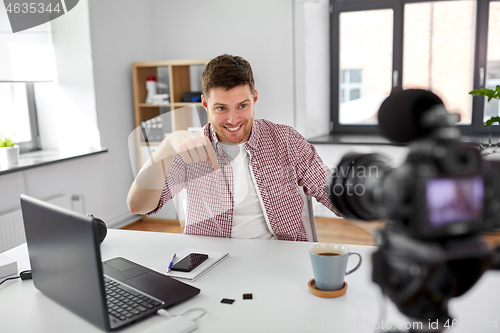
(410, 114)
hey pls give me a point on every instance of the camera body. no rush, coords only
(443, 189)
(435, 205)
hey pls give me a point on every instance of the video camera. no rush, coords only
(443, 189)
(435, 204)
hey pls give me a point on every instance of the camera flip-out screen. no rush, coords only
(450, 200)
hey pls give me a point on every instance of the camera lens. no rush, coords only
(355, 185)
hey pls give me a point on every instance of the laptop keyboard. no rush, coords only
(125, 303)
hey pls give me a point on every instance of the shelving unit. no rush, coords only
(175, 75)
(178, 73)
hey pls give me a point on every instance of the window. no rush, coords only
(438, 52)
(18, 114)
(449, 47)
(492, 108)
(365, 33)
(26, 58)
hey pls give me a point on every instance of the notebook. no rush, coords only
(66, 266)
(214, 258)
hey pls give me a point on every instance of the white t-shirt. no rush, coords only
(248, 216)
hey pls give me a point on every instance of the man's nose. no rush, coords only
(232, 117)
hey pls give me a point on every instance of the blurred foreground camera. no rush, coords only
(444, 188)
(435, 205)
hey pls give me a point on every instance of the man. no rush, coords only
(255, 191)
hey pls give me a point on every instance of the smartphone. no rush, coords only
(190, 262)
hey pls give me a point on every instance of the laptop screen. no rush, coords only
(65, 259)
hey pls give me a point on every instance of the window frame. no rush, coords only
(34, 143)
(480, 61)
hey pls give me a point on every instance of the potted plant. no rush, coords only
(9, 152)
(490, 93)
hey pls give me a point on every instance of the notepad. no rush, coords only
(213, 259)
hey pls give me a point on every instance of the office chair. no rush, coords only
(307, 213)
(308, 217)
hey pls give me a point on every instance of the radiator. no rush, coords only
(12, 226)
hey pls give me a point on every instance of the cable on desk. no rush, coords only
(203, 312)
(11, 278)
(166, 314)
(24, 275)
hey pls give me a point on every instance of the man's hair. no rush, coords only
(227, 71)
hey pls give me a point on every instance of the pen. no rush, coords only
(171, 263)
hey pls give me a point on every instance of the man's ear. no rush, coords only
(204, 103)
(255, 96)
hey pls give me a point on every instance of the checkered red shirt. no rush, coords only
(281, 161)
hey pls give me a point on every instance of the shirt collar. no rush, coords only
(254, 136)
(210, 133)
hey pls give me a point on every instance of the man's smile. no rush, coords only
(233, 129)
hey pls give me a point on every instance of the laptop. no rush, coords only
(66, 266)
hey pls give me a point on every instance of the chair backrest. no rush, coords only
(180, 203)
(308, 217)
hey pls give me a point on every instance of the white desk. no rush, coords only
(275, 272)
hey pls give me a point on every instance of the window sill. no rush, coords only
(372, 139)
(477, 139)
(45, 157)
(353, 139)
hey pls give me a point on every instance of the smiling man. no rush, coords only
(244, 177)
(230, 112)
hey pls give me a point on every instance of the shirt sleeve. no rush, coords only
(174, 183)
(312, 173)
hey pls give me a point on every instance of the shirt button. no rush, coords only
(230, 216)
(230, 190)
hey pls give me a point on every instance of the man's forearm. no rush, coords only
(145, 192)
(141, 200)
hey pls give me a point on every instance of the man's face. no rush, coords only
(230, 112)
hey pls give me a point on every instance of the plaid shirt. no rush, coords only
(281, 161)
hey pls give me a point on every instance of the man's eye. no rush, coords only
(220, 108)
(242, 106)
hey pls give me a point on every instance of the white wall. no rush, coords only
(121, 33)
(312, 67)
(258, 30)
(66, 108)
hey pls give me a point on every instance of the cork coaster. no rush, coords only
(324, 293)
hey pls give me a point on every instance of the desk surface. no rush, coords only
(275, 272)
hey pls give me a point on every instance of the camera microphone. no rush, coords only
(411, 114)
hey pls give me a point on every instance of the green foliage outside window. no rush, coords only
(490, 93)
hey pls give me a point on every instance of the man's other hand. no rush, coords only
(193, 148)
